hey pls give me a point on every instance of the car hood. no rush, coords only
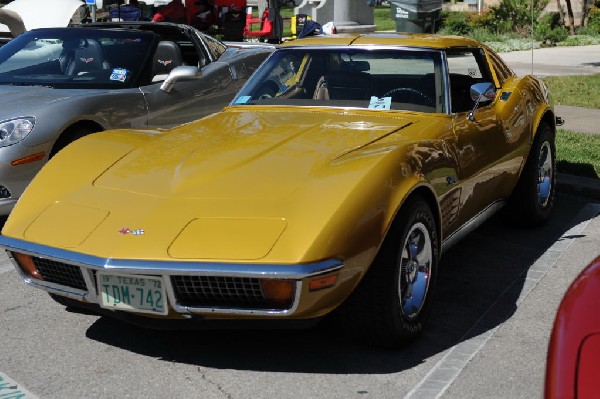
(17, 101)
(226, 154)
(279, 185)
(42, 13)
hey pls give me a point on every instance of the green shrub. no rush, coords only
(549, 30)
(587, 30)
(483, 35)
(454, 23)
(516, 15)
(593, 22)
(580, 40)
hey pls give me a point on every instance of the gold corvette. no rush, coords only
(331, 184)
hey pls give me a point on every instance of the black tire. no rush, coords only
(532, 201)
(69, 136)
(384, 310)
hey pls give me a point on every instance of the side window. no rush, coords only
(214, 47)
(466, 67)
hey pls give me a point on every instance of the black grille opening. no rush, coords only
(60, 273)
(227, 292)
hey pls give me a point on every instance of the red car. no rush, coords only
(572, 370)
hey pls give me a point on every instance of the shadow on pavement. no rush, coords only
(479, 284)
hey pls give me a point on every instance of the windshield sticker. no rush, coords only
(119, 74)
(380, 103)
(242, 100)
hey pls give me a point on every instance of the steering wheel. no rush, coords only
(267, 90)
(409, 90)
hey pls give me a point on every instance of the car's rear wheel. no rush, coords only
(391, 304)
(533, 198)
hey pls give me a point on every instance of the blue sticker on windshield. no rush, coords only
(119, 74)
(242, 100)
(380, 103)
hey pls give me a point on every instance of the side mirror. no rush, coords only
(481, 93)
(180, 74)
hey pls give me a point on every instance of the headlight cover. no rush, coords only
(14, 130)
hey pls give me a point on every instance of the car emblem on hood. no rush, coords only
(136, 232)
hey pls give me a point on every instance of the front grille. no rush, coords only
(210, 291)
(60, 273)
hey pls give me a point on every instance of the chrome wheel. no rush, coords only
(545, 174)
(416, 261)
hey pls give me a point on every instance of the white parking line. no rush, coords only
(448, 369)
(10, 389)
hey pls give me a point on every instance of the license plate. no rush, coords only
(142, 294)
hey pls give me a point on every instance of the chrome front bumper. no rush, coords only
(89, 265)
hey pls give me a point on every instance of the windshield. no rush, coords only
(76, 58)
(372, 78)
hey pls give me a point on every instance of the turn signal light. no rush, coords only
(27, 265)
(28, 159)
(279, 293)
(322, 282)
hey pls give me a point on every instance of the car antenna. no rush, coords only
(532, 36)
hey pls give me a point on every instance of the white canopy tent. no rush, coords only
(43, 13)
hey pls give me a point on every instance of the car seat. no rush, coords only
(87, 56)
(166, 58)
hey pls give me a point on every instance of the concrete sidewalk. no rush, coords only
(584, 120)
(555, 61)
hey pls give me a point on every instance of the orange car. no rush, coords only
(333, 182)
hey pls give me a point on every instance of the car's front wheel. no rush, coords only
(391, 304)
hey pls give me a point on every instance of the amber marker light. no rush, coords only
(322, 282)
(278, 293)
(26, 263)
(28, 159)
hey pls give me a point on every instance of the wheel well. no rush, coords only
(88, 125)
(65, 136)
(548, 118)
(428, 196)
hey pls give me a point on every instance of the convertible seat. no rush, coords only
(348, 81)
(460, 89)
(166, 58)
(86, 57)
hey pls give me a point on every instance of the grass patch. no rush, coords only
(383, 19)
(577, 91)
(577, 153)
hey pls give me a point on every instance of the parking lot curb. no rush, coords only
(582, 186)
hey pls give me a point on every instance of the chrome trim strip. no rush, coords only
(175, 267)
(165, 269)
(229, 311)
(472, 224)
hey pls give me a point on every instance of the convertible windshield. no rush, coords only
(370, 78)
(75, 58)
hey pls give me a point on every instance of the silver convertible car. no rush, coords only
(60, 84)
